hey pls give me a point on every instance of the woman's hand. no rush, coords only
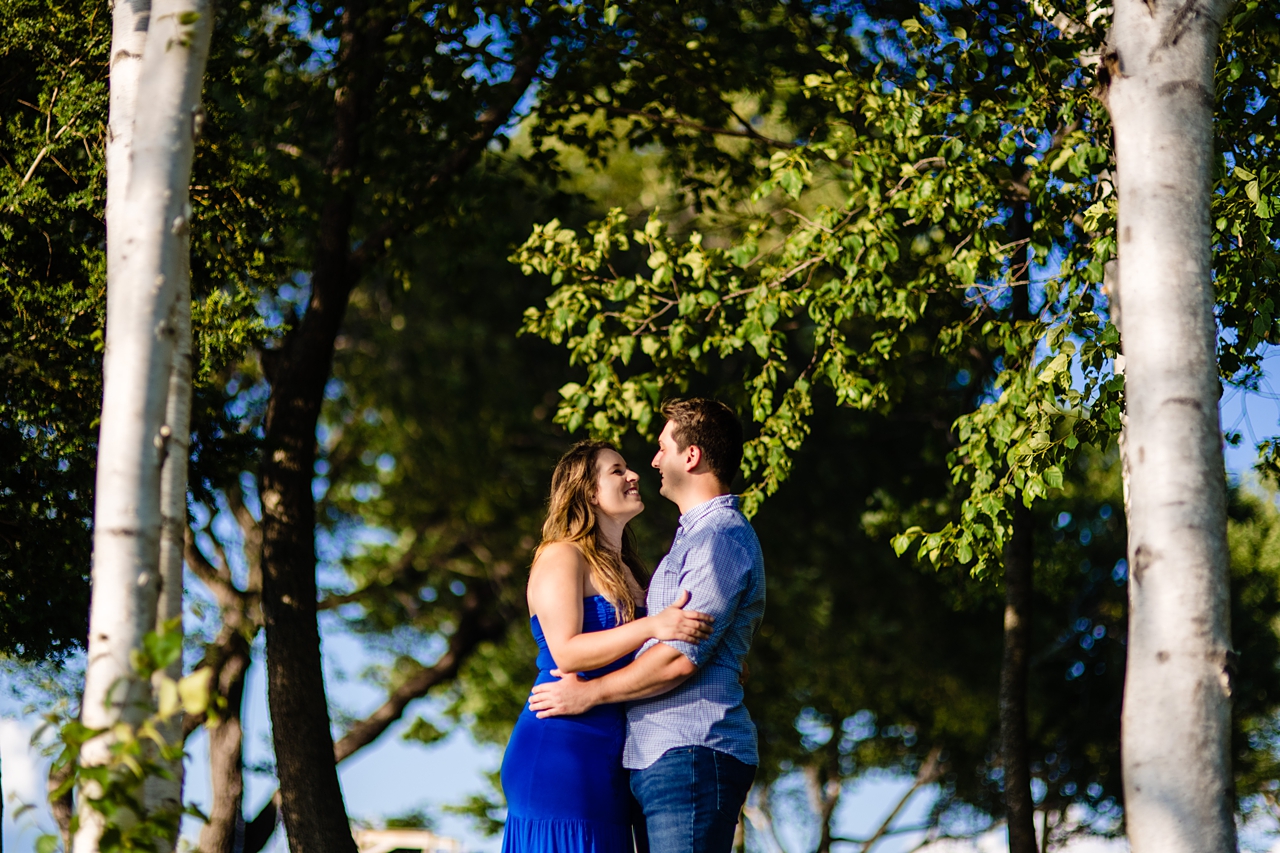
(676, 623)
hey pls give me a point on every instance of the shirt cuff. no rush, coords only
(689, 650)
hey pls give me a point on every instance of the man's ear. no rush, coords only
(692, 457)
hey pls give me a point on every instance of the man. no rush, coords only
(691, 745)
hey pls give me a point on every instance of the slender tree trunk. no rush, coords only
(824, 795)
(1018, 584)
(61, 807)
(225, 830)
(311, 799)
(310, 796)
(229, 658)
(1175, 727)
(1014, 666)
(166, 793)
(483, 619)
(760, 813)
(147, 221)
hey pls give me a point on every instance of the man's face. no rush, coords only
(670, 462)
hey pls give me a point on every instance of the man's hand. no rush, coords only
(570, 695)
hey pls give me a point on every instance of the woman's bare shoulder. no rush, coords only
(558, 574)
(558, 562)
(558, 553)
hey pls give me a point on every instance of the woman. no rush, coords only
(566, 789)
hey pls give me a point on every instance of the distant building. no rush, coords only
(404, 841)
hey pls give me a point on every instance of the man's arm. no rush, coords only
(658, 670)
(715, 572)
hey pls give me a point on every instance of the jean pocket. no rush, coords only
(733, 781)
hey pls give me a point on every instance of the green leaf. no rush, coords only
(163, 647)
(791, 181)
(424, 732)
(1053, 477)
(1063, 157)
(194, 691)
(167, 700)
(903, 540)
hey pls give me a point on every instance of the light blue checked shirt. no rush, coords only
(716, 557)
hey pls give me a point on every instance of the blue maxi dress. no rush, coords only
(566, 788)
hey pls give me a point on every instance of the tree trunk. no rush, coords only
(128, 41)
(166, 793)
(1018, 583)
(258, 831)
(1175, 727)
(823, 782)
(1014, 753)
(482, 619)
(311, 799)
(225, 831)
(151, 151)
(61, 807)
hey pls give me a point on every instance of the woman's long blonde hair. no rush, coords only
(571, 517)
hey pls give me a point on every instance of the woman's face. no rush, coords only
(617, 487)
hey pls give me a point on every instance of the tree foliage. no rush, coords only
(905, 222)
(51, 273)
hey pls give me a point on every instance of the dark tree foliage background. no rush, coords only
(52, 94)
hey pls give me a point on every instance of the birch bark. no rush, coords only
(166, 793)
(1175, 728)
(158, 58)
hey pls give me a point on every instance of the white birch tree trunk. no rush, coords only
(1175, 729)
(129, 20)
(162, 793)
(157, 65)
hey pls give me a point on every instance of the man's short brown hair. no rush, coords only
(713, 427)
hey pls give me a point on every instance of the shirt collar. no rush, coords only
(695, 514)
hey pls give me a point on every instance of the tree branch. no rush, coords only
(489, 122)
(929, 772)
(482, 620)
(217, 579)
(397, 571)
(749, 133)
(252, 533)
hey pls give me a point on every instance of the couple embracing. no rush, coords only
(635, 737)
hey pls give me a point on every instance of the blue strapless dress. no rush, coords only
(566, 788)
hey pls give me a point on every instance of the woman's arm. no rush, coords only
(555, 597)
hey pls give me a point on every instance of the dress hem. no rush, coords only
(564, 835)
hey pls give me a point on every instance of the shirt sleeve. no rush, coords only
(716, 572)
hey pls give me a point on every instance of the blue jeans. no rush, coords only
(691, 798)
